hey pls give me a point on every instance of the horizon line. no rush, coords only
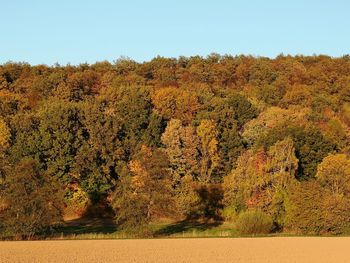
(140, 61)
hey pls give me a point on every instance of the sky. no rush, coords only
(86, 31)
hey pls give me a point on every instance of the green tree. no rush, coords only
(304, 208)
(33, 201)
(117, 123)
(310, 146)
(144, 193)
(4, 145)
(52, 136)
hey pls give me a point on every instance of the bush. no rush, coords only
(254, 222)
(229, 213)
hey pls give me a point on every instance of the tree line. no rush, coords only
(263, 143)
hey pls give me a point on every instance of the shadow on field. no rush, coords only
(87, 225)
(186, 226)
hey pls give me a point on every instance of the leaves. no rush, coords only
(4, 136)
(334, 173)
(162, 136)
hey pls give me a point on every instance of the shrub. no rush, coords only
(253, 222)
(229, 213)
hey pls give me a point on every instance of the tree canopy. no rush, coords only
(219, 136)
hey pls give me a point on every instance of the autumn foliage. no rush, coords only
(241, 139)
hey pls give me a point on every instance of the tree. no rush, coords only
(310, 146)
(34, 202)
(173, 103)
(244, 111)
(143, 193)
(52, 136)
(313, 209)
(270, 118)
(10, 103)
(346, 113)
(261, 180)
(78, 86)
(297, 95)
(186, 197)
(162, 71)
(257, 124)
(334, 174)
(336, 131)
(117, 123)
(270, 94)
(281, 167)
(97, 160)
(4, 145)
(230, 114)
(155, 128)
(244, 186)
(181, 145)
(262, 72)
(282, 163)
(304, 208)
(4, 137)
(209, 158)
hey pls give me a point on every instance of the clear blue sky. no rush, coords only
(78, 31)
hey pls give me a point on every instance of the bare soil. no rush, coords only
(275, 249)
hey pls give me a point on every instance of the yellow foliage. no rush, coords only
(334, 173)
(140, 174)
(210, 158)
(4, 135)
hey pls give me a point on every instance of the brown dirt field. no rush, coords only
(276, 249)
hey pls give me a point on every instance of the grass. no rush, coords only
(105, 228)
(194, 229)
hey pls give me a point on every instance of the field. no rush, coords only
(277, 249)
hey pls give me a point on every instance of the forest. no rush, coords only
(263, 143)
